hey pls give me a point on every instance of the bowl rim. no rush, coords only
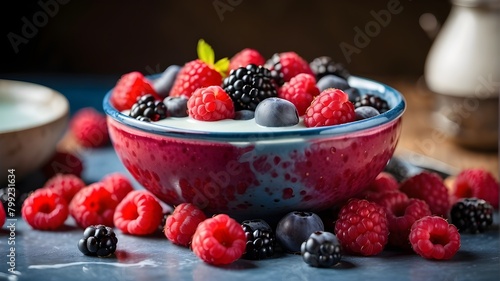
(62, 114)
(394, 98)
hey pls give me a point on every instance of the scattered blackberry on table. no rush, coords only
(472, 215)
(324, 65)
(148, 109)
(248, 86)
(260, 239)
(295, 227)
(372, 100)
(321, 249)
(98, 240)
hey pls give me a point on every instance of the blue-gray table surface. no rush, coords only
(53, 255)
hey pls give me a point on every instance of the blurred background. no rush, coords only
(371, 37)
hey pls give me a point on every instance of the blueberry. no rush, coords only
(244, 114)
(276, 112)
(295, 227)
(353, 94)
(163, 84)
(176, 107)
(332, 81)
(364, 112)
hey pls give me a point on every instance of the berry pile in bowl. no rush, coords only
(253, 138)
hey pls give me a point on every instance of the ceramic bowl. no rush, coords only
(33, 118)
(255, 174)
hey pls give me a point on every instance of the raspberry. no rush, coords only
(89, 128)
(219, 240)
(210, 104)
(45, 209)
(433, 238)
(384, 182)
(181, 224)
(300, 90)
(98, 240)
(330, 107)
(471, 215)
(362, 227)
(93, 205)
(62, 162)
(430, 188)
(129, 88)
(139, 213)
(286, 65)
(3, 217)
(245, 57)
(66, 185)
(476, 183)
(402, 212)
(200, 73)
(118, 185)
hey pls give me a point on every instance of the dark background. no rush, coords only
(114, 37)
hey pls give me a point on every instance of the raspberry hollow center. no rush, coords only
(439, 239)
(223, 237)
(129, 212)
(46, 208)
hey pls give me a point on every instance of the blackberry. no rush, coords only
(324, 65)
(98, 240)
(148, 109)
(321, 249)
(372, 100)
(260, 239)
(274, 63)
(248, 86)
(471, 215)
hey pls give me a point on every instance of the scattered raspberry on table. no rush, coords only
(433, 238)
(219, 240)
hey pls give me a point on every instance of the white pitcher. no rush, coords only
(463, 70)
